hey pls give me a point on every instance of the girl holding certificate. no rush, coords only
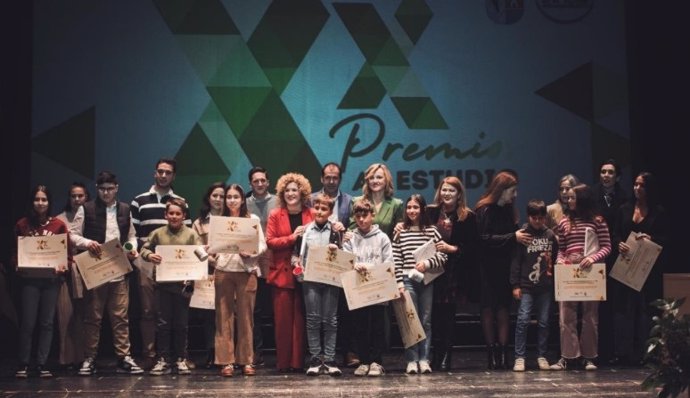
(632, 317)
(572, 249)
(70, 305)
(235, 280)
(39, 295)
(409, 272)
(212, 204)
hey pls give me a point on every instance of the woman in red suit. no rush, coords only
(284, 232)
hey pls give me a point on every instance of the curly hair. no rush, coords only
(302, 183)
(369, 172)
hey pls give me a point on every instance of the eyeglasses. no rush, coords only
(162, 172)
(107, 189)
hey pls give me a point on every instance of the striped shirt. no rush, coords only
(571, 238)
(148, 212)
(408, 241)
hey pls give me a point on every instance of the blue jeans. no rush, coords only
(39, 299)
(541, 302)
(422, 297)
(321, 304)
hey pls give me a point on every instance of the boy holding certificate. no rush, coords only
(372, 248)
(173, 297)
(320, 299)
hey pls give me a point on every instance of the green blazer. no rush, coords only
(390, 213)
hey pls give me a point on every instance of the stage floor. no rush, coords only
(467, 379)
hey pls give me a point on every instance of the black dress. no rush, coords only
(497, 234)
(459, 280)
(632, 313)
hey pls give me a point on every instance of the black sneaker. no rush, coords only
(22, 372)
(127, 365)
(314, 368)
(258, 360)
(43, 372)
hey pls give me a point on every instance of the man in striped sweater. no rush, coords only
(148, 213)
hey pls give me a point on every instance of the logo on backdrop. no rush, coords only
(505, 12)
(565, 11)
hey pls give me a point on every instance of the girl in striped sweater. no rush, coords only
(572, 250)
(417, 230)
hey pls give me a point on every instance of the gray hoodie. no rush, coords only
(371, 248)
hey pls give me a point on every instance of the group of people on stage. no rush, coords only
(486, 256)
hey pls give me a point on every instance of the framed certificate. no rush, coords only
(376, 285)
(179, 263)
(233, 234)
(325, 266)
(204, 296)
(633, 268)
(98, 270)
(40, 256)
(425, 252)
(411, 330)
(573, 284)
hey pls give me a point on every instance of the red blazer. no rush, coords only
(279, 239)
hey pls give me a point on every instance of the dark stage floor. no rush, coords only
(467, 379)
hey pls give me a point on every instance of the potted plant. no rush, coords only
(668, 350)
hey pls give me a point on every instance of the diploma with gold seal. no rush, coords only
(376, 285)
(204, 296)
(179, 263)
(98, 270)
(633, 268)
(233, 235)
(325, 265)
(574, 284)
(40, 256)
(411, 330)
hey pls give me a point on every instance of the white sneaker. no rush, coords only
(376, 370)
(543, 364)
(127, 365)
(182, 368)
(562, 364)
(519, 365)
(424, 367)
(160, 368)
(88, 367)
(589, 365)
(412, 368)
(362, 370)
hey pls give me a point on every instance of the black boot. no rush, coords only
(502, 357)
(491, 356)
(210, 358)
(446, 361)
